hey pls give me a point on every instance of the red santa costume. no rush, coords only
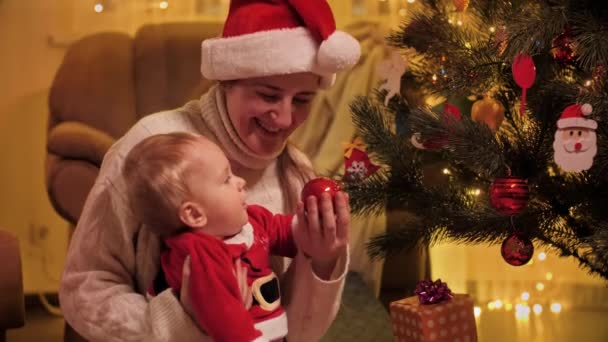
(215, 295)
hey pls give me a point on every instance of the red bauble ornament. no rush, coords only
(563, 48)
(509, 195)
(517, 249)
(316, 187)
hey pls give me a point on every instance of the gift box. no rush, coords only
(452, 320)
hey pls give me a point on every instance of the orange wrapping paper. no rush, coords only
(450, 321)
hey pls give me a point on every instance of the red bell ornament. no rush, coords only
(316, 187)
(517, 249)
(509, 195)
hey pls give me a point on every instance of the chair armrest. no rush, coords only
(12, 307)
(75, 140)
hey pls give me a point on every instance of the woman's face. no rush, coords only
(266, 110)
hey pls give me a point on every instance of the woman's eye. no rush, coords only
(299, 101)
(269, 97)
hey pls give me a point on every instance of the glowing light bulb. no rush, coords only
(492, 29)
(163, 4)
(556, 307)
(537, 308)
(98, 8)
(450, 21)
(587, 83)
(411, 1)
(491, 306)
(446, 171)
(540, 286)
(477, 311)
(459, 23)
(525, 296)
(498, 303)
(542, 256)
(549, 276)
(508, 306)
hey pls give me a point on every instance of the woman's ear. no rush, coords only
(192, 215)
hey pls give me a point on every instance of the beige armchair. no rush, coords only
(12, 308)
(106, 82)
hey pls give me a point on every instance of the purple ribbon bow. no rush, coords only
(430, 292)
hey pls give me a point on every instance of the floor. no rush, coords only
(496, 326)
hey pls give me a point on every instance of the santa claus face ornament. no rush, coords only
(575, 143)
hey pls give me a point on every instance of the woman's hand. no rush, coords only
(241, 279)
(322, 231)
(240, 272)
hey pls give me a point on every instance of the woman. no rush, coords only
(273, 57)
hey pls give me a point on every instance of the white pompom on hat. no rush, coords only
(275, 37)
(576, 116)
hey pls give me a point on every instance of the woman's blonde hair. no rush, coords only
(154, 173)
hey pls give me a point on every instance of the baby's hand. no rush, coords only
(322, 231)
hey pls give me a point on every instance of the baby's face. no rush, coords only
(220, 193)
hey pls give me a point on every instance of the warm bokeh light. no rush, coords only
(492, 29)
(537, 308)
(163, 4)
(411, 1)
(446, 171)
(491, 306)
(556, 307)
(549, 276)
(522, 311)
(540, 286)
(477, 311)
(402, 12)
(98, 8)
(542, 256)
(498, 303)
(508, 306)
(459, 23)
(525, 296)
(587, 83)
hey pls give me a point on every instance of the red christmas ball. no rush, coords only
(316, 187)
(509, 195)
(563, 49)
(517, 249)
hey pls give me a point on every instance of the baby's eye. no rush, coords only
(571, 133)
(580, 133)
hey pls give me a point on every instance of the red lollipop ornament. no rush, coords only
(316, 187)
(524, 73)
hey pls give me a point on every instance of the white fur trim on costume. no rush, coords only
(264, 53)
(273, 328)
(586, 109)
(338, 52)
(576, 122)
(244, 236)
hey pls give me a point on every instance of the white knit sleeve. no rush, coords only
(312, 303)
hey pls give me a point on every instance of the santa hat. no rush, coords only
(575, 116)
(274, 37)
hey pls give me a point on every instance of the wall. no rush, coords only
(27, 66)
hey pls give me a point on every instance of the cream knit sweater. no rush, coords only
(111, 261)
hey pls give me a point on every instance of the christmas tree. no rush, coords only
(519, 131)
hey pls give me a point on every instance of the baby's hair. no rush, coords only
(154, 173)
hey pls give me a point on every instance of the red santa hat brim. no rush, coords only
(576, 122)
(275, 52)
